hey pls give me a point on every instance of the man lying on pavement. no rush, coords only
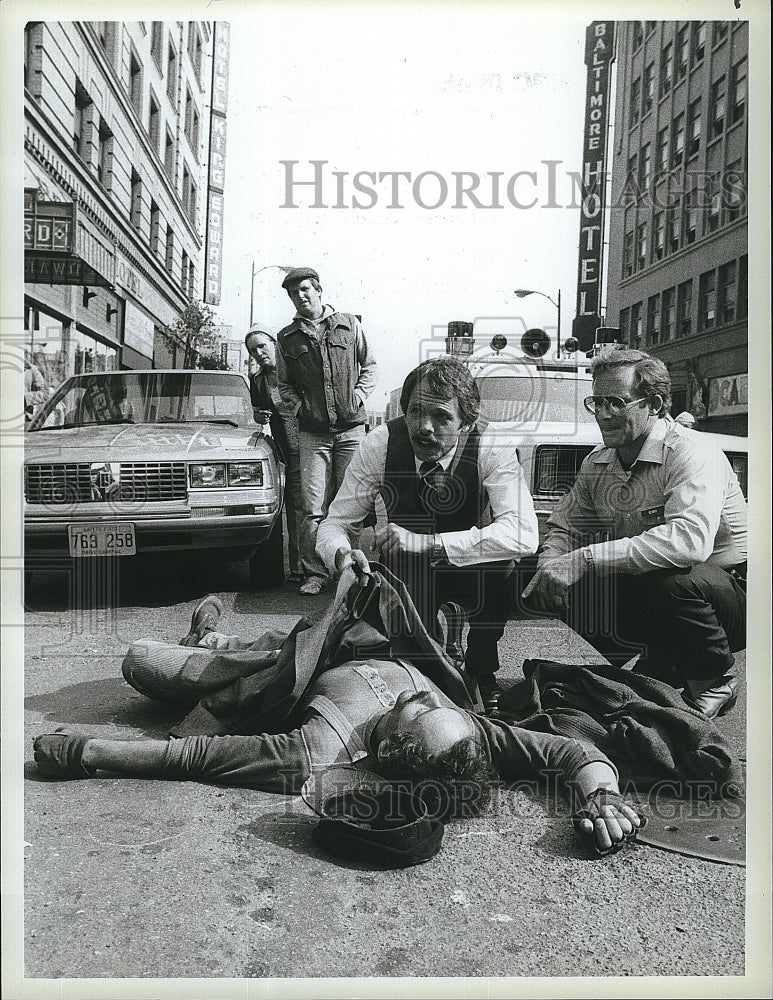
(379, 711)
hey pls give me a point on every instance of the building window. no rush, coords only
(742, 305)
(734, 192)
(157, 44)
(738, 91)
(635, 340)
(690, 217)
(659, 235)
(635, 105)
(713, 204)
(81, 122)
(717, 107)
(191, 123)
(105, 157)
(682, 52)
(191, 280)
(653, 319)
(649, 26)
(169, 154)
(169, 252)
(184, 273)
(694, 141)
(684, 308)
(645, 168)
(628, 255)
(638, 34)
(194, 48)
(719, 33)
(189, 195)
(154, 123)
(662, 149)
(107, 33)
(707, 303)
(136, 200)
(171, 74)
(698, 41)
(726, 301)
(641, 246)
(677, 140)
(648, 92)
(155, 225)
(666, 69)
(673, 230)
(668, 314)
(135, 83)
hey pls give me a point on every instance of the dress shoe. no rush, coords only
(312, 586)
(205, 617)
(489, 692)
(716, 700)
(454, 616)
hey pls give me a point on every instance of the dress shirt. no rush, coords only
(511, 531)
(679, 505)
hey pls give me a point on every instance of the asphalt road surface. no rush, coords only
(130, 878)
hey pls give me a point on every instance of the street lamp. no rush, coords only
(267, 267)
(523, 292)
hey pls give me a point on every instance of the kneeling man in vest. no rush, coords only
(458, 507)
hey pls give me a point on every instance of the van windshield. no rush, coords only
(534, 399)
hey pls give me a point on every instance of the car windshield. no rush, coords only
(532, 399)
(146, 397)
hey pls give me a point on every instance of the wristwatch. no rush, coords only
(588, 557)
(438, 550)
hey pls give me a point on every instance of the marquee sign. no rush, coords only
(216, 180)
(599, 55)
(48, 225)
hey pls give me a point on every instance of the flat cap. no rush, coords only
(298, 274)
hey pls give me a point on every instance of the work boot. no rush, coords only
(717, 699)
(313, 586)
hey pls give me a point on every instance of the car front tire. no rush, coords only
(267, 564)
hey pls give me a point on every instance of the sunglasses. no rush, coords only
(615, 404)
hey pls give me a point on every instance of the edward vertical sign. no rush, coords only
(213, 256)
(599, 54)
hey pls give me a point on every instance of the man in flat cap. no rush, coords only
(326, 371)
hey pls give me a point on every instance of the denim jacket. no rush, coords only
(326, 380)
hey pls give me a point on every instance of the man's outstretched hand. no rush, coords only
(608, 820)
(355, 558)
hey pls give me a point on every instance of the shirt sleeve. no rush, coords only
(354, 499)
(513, 532)
(517, 753)
(366, 380)
(693, 496)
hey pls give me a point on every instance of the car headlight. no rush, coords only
(206, 474)
(245, 473)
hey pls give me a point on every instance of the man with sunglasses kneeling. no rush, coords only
(644, 553)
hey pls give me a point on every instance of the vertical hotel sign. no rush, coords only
(599, 54)
(213, 257)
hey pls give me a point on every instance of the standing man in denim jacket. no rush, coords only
(326, 371)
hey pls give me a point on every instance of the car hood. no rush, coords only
(173, 441)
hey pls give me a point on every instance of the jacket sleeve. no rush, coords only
(290, 399)
(366, 380)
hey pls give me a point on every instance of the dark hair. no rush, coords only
(449, 379)
(454, 784)
(651, 376)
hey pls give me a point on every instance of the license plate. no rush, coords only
(101, 540)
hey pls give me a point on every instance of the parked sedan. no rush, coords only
(120, 463)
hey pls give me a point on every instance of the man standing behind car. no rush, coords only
(326, 371)
(264, 395)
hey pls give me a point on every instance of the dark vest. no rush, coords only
(455, 506)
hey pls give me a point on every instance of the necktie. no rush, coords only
(430, 475)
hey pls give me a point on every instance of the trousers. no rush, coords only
(687, 621)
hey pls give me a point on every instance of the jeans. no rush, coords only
(324, 459)
(293, 510)
(686, 622)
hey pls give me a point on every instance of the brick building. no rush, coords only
(678, 240)
(118, 168)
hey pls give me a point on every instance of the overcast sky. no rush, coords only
(382, 88)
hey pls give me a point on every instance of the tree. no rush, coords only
(195, 332)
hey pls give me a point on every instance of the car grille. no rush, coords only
(72, 483)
